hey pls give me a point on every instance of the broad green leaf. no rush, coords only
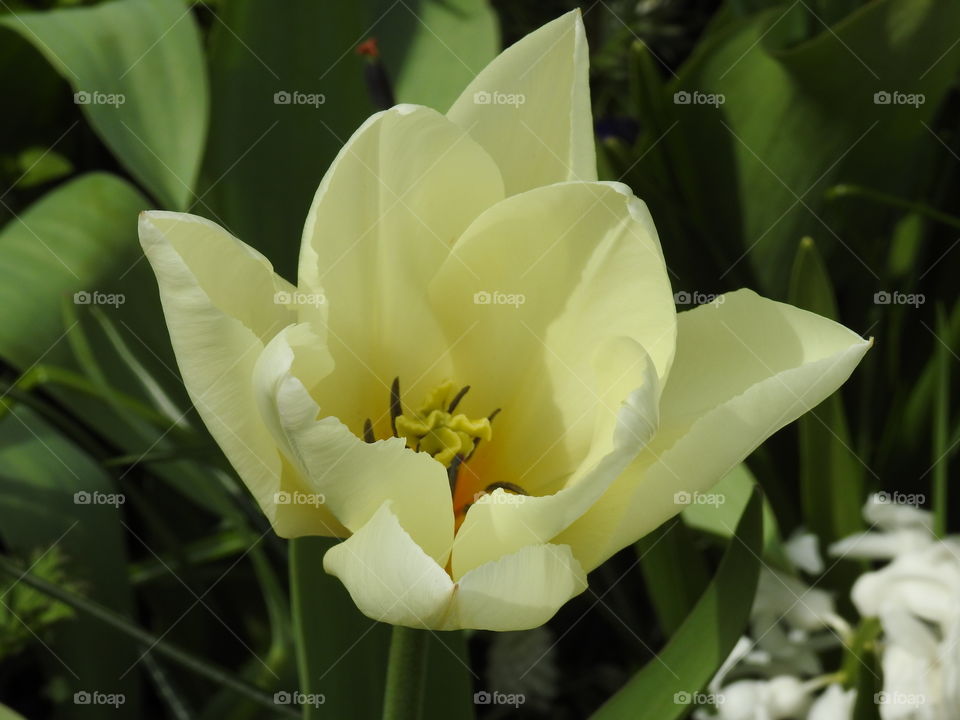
(79, 238)
(340, 653)
(733, 492)
(796, 116)
(434, 48)
(831, 472)
(265, 158)
(78, 244)
(673, 572)
(304, 93)
(705, 638)
(40, 474)
(136, 68)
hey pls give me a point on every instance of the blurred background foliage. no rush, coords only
(799, 185)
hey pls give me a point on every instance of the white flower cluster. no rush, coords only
(915, 597)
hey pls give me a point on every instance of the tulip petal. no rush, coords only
(626, 419)
(581, 264)
(518, 591)
(218, 302)
(745, 367)
(530, 108)
(354, 477)
(395, 199)
(392, 580)
(389, 576)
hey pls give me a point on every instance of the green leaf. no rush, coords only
(703, 642)
(673, 572)
(797, 116)
(137, 71)
(80, 237)
(265, 160)
(733, 493)
(40, 473)
(831, 473)
(434, 48)
(341, 654)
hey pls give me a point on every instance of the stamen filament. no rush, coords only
(396, 408)
(457, 398)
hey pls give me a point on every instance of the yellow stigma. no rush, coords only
(436, 430)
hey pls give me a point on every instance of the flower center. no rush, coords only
(449, 437)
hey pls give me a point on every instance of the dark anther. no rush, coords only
(505, 486)
(368, 435)
(492, 415)
(457, 398)
(453, 470)
(378, 82)
(396, 410)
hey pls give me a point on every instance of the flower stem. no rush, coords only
(406, 673)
